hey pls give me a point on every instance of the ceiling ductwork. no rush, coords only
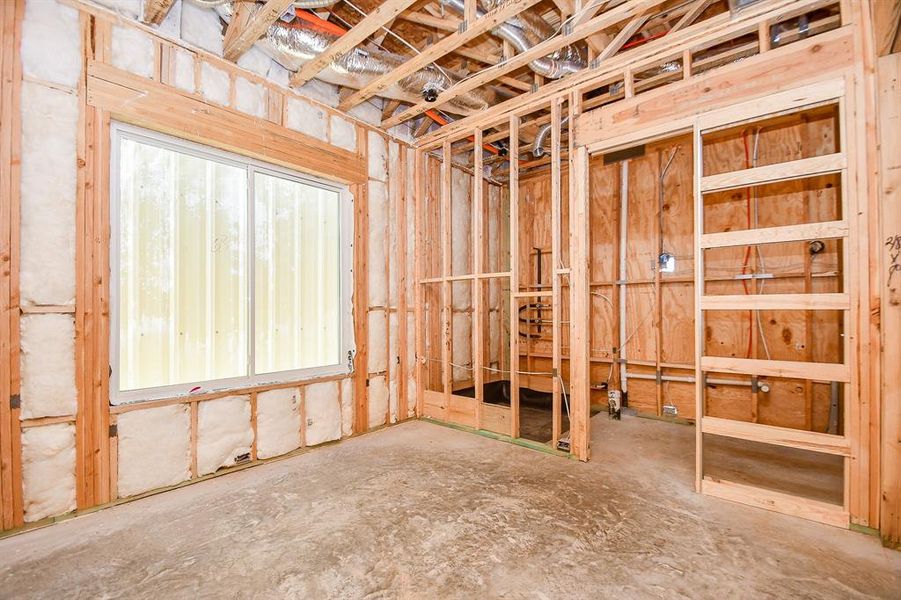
(523, 32)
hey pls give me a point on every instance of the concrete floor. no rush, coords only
(424, 511)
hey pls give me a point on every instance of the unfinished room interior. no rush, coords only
(450, 298)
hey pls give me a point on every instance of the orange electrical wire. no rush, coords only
(744, 267)
(435, 116)
(311, 21)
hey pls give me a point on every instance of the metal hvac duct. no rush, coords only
(305, 43)
(524, 31)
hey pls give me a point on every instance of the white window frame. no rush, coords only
(121, 131)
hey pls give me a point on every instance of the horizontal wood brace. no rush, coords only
(779, 436)
(777, 368)
(775, 235)
(795, 169)
(787, 504)
(774, 104)
(777, 302)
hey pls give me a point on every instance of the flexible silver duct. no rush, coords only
(541, 137)
(524, 31)
(312, 4)
(305, 43)
(210, 3)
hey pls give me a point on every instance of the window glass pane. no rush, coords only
(297, 273)
(183, 268)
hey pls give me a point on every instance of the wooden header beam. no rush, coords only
(599, 23)
(383, 14)
(247, 32)
(482, 25)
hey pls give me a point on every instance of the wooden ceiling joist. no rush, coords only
(156, 10)
(709, 32)
(611, 17)
(436, 51)
(376, 19)
(246, 33)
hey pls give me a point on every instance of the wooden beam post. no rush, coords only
(514, 275)
(247, 30)
(580, 317)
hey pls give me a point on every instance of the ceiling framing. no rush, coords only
(424, 34)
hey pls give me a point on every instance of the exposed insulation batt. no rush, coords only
(132, 51)
(51, 43)
(395, 191)
(126, 8)
(307, 118)
(154, 448)
(378, 223)
(378, 401)
(461, 230)
(255, 61)
(48, 365)
(250, 98)
(49, 125)
(214, 84)
(494, 332)
(343, 133)
(462, 348)
(224, 432)
(278, 422)
(321, 91)
(392, 398)
(48, 470)
(347, 406)
(200, 27)
(184, 70)
(378, 156)
(323, 412)
(378, 351)
(367, 112)
(411, 396)
(171, 25)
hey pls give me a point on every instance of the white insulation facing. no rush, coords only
(378, 401)
(48, 365)
(49, 131)
(132, 51)
(378, 348)
(250, 97)
(154, 448)
(200, 27)
(214, 84)
(307, 118)
(278, 422)
(48, 470)
(343, 133)
(323, 412)
(224, 432)
(378, 156)
(347, 407)
(184, 71)
(462, 347)
(378, 224)
(51, 43)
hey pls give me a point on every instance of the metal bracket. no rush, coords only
(114, 430)
(463, 26)
(659, 374)
(15, 401)
(755, 385)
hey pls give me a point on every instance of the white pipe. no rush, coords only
(690, 379)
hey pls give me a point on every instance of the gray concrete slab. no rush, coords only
(423, 511)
